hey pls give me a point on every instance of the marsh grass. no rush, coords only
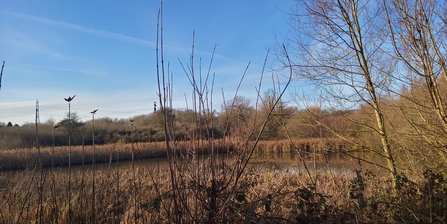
(261, 197)
(26, 158)
(308, 145)
(197, 185)
(11, 159)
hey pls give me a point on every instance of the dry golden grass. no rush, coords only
(143, 195)
(209, 191)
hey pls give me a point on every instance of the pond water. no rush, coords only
(336, 164)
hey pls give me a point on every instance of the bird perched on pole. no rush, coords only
(69, 98)
(94, 111)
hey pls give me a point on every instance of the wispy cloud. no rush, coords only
(114, 106)
(17, 112)
(97, 73)
(19, 41)
(70, 26)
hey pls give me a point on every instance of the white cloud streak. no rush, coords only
(70, 26)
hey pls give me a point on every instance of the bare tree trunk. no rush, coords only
(339, 49)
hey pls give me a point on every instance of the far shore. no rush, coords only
(19, 159)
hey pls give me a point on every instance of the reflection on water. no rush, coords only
(334, 164)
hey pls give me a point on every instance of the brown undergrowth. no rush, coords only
(142, 195)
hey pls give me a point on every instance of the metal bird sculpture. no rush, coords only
(94, 111)
(69, 98)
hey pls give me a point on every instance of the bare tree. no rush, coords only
(337, 48)
(237, 118)
(417, 33)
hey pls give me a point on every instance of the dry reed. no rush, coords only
(12, 159)
(261, 197)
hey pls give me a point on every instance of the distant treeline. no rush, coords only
(238, 119)
(236, 122)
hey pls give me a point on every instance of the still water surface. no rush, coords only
(336, 164)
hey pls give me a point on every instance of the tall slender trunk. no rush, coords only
(356, 35)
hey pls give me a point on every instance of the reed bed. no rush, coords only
(24, 158)
(142, 194)
(307, 145)
(208, 188)
(13, 159)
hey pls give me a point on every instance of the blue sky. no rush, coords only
(104, 52)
